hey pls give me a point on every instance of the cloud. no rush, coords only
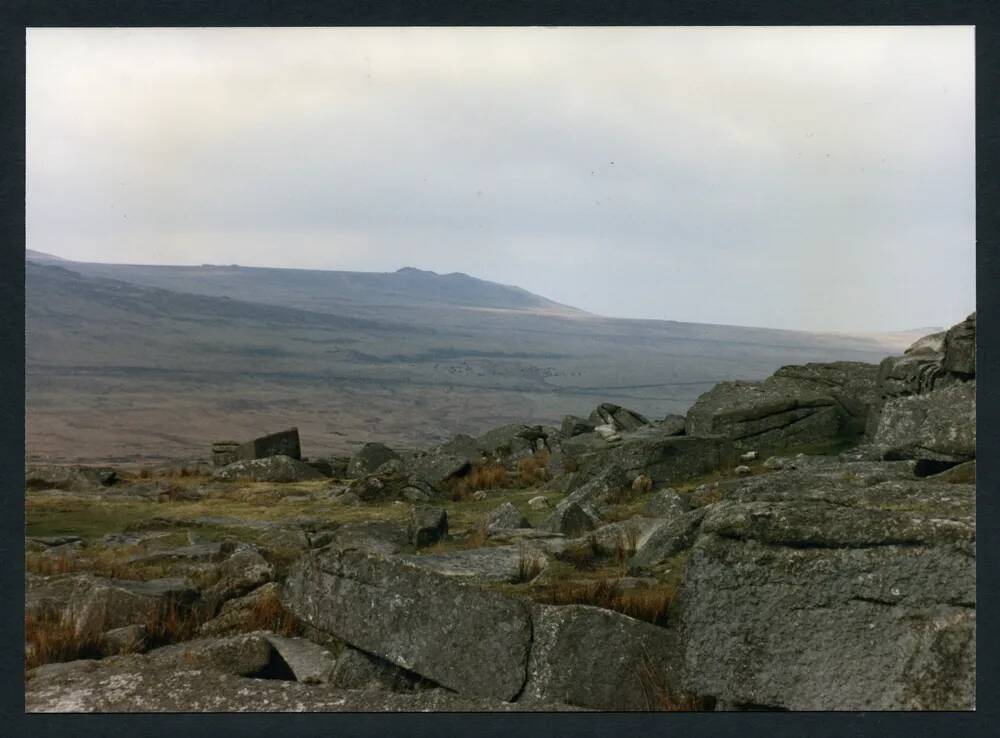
(818, 178)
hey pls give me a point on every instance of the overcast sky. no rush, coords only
(796, 178)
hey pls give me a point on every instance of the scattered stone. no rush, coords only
(960, 348)
(269, 469)
(247, 654)
(575, 426)
(428, 526)
(369, 458)
(506, 517)
(309, 663)
(569, 519)
(539, 503)
(479, 495)
(438, 467)
(415, 495)
(129, 639)
(616, 418)
(673, 425)
(245, 570)
(347, 498)
(238, 615)
(53, 476)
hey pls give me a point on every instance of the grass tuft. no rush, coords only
(269, 613)
(533, 470)
(650, 604)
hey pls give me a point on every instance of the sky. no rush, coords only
(805, 178)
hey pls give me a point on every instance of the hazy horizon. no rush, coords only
(817, 179)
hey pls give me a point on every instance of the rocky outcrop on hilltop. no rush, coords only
(809, 405)
(806, 542)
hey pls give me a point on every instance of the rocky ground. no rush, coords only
(802, 543)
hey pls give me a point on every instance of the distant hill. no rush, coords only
(136, 361)
(357, 293)
(42, 258)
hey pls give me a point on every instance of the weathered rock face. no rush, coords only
(283, 443)
(597, 658)
(269, 469)
(939, 425)
(663, 458)
(138, 684)
(798, 405)
(933, 362)
(477, 565)
(468, 640)
(667, 503)
(358, 670)
(369, 458)
(670, 537)
(482, 644)
(834, 596)
(960, 348)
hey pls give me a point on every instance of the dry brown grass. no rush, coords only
(533, 470)
(583, 555)
(626, 545)
(112, 564)
(172, 623)
(651, 604)
(529, 566)
(481, 476)
(52, 636)
(269, 614)
(659, 697)
(642, 484)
